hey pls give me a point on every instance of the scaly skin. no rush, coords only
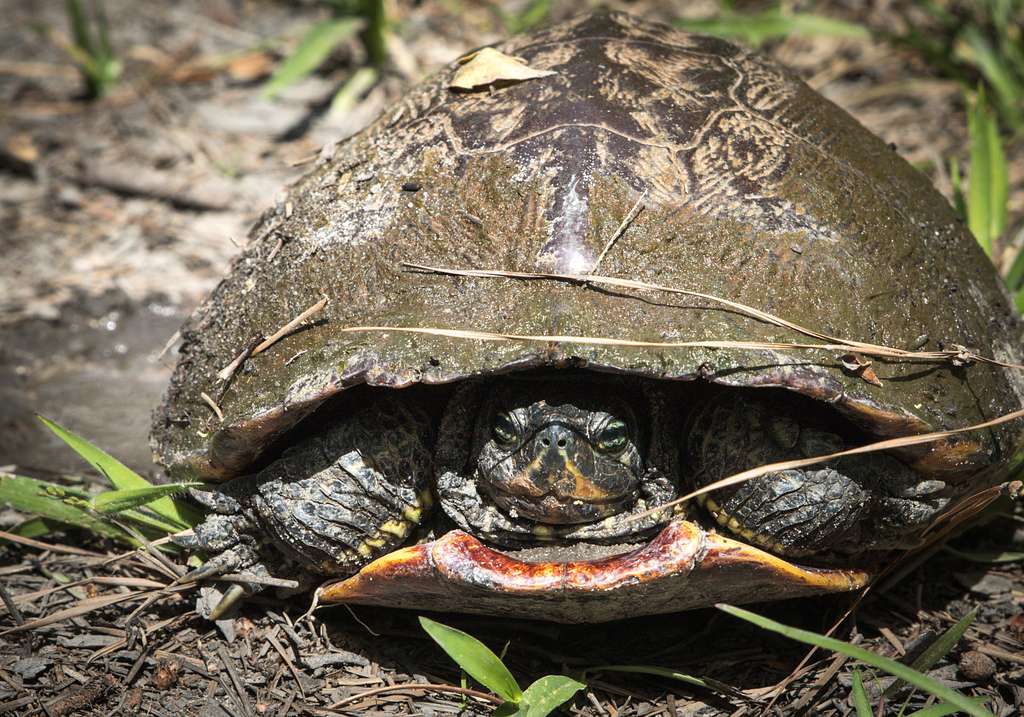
(850, 505)
(329, 504)
(525, 461)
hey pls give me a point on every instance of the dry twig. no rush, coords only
(833, 343)
(885, 445)
(290, 326)
(630, 216)
(419, 686)
(212, 404)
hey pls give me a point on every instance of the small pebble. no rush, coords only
(977, 666)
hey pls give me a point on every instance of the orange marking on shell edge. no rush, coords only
(724, 551)
(682, 551)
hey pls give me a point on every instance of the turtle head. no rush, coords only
(559, 459)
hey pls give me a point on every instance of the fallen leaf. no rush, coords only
(488, 66)
(200, 70)
(21, 146)
(251, 66)
(857, 364)
(869, 375)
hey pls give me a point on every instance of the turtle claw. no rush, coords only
(234, 559)
(216, 501)
(235, 595)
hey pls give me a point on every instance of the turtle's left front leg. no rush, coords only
(330, 504)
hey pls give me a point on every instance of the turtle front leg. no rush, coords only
(330, 504)
(849, 505)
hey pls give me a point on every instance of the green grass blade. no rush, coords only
(705, 682)
(532, 15)
(79, 25)
(355, 87)
(976, 50)
(942, 645)
(103, 46)
(896, 669)
(152, 526)
(47, 500)
(811, 25)
(117, 501)
(989, 182)
(860, 697)
(956, 181)
(92, 53)
(318, 43)
(944, 708)
(123, 478)
(374, 31)
(36, 527)
(999, 184)
(549, 693)
(1015, 278)
(756, 28)
(475, 658)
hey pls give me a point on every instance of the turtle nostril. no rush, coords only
(554, 435)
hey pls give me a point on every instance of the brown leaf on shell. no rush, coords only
(487, 66)
(857, 364)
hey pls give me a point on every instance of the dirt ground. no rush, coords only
(116, 218)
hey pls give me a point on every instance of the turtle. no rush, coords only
(521, 320)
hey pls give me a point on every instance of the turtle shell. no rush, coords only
(754, 188)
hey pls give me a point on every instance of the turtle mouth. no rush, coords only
(684, 566)
(555, 507)
(553, 489)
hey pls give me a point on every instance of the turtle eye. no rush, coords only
(612, 437)
(505, 430)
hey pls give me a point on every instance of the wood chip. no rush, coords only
(79, 609)
(52, 547)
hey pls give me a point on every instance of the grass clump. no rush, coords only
(90, 47)
(540, 699)
(914, 674)
(349, 18)
(985, 203)
(134, 509)
(773, 23)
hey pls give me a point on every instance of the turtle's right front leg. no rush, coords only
(330, 504)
